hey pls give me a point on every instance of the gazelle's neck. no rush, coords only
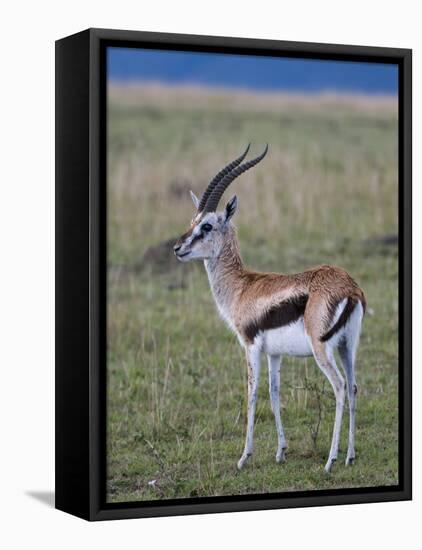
(225, 274)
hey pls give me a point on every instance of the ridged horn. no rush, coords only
(214, 199)
(226, 170)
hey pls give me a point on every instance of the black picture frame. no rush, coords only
(81, 273)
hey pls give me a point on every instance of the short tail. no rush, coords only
(344, 317)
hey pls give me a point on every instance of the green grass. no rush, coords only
(176, 375)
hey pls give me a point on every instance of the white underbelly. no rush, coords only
(287, 340)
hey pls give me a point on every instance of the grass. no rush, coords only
(176, 375)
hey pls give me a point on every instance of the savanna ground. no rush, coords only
(326, 193)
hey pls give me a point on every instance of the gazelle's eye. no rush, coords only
(206, 227)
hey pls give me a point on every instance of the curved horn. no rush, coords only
(219, 189)
(218, 177)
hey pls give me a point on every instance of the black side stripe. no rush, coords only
(280, 315)
(342, 320)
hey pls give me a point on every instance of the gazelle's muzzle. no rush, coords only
(180, 249)
(182, 245)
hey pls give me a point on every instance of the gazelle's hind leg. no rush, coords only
(347, 350)
(274, 365)
(324, 357)
(347, 360)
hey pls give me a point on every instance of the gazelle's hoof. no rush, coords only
(349, 460)
(329, 465)
(280, 456)
(243, 459)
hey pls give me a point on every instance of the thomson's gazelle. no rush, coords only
(309, 313)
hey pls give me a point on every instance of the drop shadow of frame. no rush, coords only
(45, 497)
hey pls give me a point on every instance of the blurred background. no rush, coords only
(326, 193)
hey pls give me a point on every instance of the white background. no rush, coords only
(27, 272)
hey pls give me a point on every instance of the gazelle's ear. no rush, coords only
(195, 199)
(230, 208)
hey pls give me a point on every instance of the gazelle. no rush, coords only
(300, 315)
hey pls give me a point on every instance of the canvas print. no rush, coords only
(252, 275)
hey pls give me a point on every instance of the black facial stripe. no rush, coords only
(197, 238)
(202, 234)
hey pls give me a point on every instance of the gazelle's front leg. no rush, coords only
(253, 358)
(274, 365)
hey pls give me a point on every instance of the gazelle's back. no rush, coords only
(311, 301)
